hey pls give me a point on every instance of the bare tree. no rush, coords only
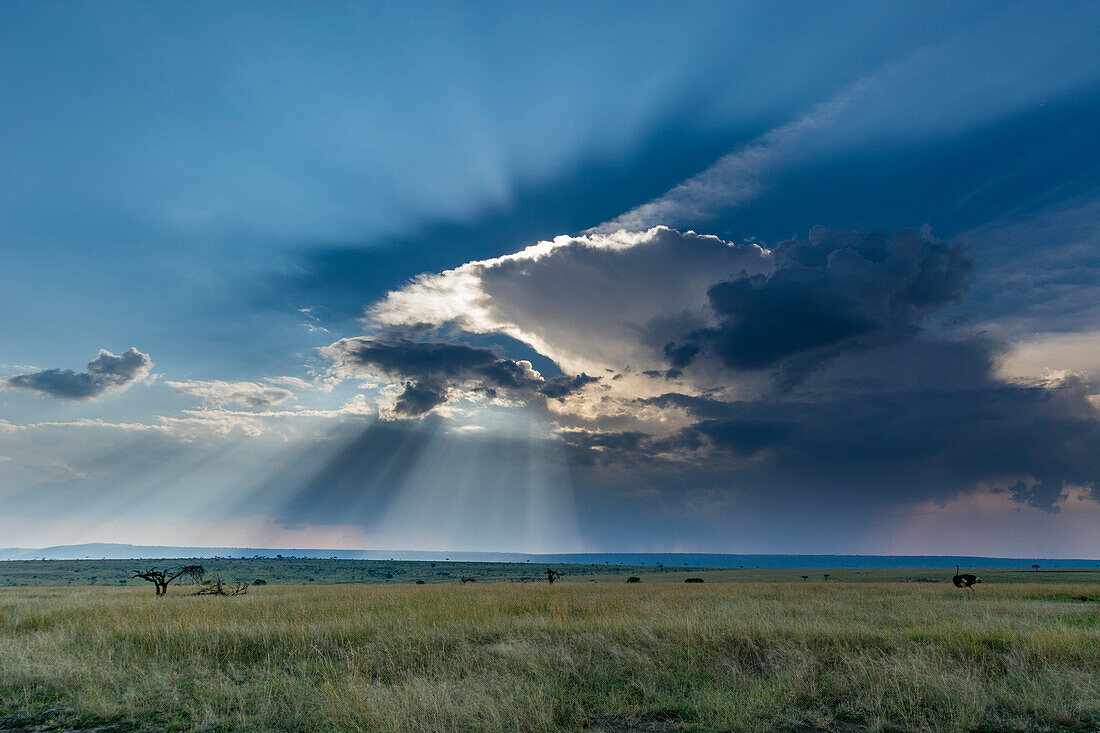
(465, 580)
(159, 578)
(551, 575)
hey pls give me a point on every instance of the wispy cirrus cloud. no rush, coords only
(733, 179)
(217, 393)
(198, 424)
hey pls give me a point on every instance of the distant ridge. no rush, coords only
(109, 551)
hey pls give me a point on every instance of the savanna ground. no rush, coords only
(319, 571)
(756, 655)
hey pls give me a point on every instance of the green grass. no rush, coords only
(795, 656)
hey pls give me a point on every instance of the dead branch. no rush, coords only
(217, 587)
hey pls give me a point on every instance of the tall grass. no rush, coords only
(767, 656)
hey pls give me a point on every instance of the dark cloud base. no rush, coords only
(908, 437)
(835, 292)
(430, 369)
(106, 373)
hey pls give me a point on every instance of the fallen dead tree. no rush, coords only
(217, 587)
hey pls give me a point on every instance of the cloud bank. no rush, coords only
(820, 367)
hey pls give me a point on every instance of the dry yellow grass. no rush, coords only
(511, 657)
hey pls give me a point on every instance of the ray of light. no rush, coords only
(506, 490)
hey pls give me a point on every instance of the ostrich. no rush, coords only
(966, 581)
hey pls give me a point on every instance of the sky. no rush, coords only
(768, 277)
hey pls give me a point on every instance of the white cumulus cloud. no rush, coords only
(591, 302)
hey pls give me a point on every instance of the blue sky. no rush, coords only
(243, 194)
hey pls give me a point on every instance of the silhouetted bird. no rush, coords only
(966, 581)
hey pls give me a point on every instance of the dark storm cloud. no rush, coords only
(419, 398)
(930, 429)
(835, 292)
(106, 373)
(589, 447)
(746, 437)
(429, 369)
(563, 386)
(415, 358)
(701, 443)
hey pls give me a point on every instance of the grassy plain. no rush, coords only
(319, 571)
(604, 656)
